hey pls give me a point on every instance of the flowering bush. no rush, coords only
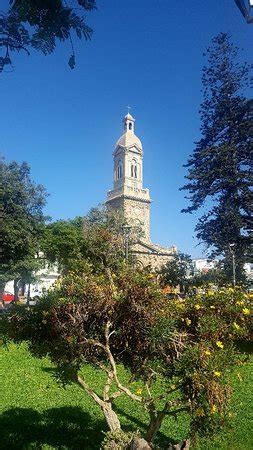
(211, 323)
(185, 344)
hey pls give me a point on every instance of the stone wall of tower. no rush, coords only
(156, 261)
(136, 212)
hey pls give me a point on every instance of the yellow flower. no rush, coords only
(239, 376)
(239, 303)
(207, 352)
(200, 412)
(236, 326)
(217, 374)
(212, 307)
(188, 321)
(219, 344)
(197, 306)
(210, 293)
(179, 305)
(139, 391)
(213, 409)
(173, 386)
(246, 311)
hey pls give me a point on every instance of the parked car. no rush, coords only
(7, 297)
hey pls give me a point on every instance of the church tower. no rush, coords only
(128, 193)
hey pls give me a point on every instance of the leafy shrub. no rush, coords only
(185, 346)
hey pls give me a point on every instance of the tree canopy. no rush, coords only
(63, 243)
(22, 221)
(96, 239)
(177, 271)
(38, 25)
(219, 170)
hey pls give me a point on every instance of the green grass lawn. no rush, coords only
(37, 412)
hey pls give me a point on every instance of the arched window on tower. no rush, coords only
(134, 169)
(130, 126)
(119, 171)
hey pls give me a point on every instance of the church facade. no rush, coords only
(129, 196)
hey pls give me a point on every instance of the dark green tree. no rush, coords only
(216, 276)
(63, 243)
(96, 240)
(105, 238)
(39, 24)
(177, 271)
(22, 222)
(219, 176)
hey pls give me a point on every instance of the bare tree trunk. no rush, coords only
(154, 426)
(23, 288)
(2, 286)
(110, 416)
(109, 275)
(16, 289)
(139, 444)
(106, 406)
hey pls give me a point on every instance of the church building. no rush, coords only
(129, 196)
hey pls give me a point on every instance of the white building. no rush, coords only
(203, 265)
(45, 278)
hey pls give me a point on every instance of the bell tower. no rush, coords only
(128, 193)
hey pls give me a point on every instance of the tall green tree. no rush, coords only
(97, 240)
(63, 243)
(177, 271)
(219, 175)
(40, 24)
(22, 222)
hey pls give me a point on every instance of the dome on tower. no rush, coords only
(128, 138)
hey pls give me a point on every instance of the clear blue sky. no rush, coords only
(64, 123)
